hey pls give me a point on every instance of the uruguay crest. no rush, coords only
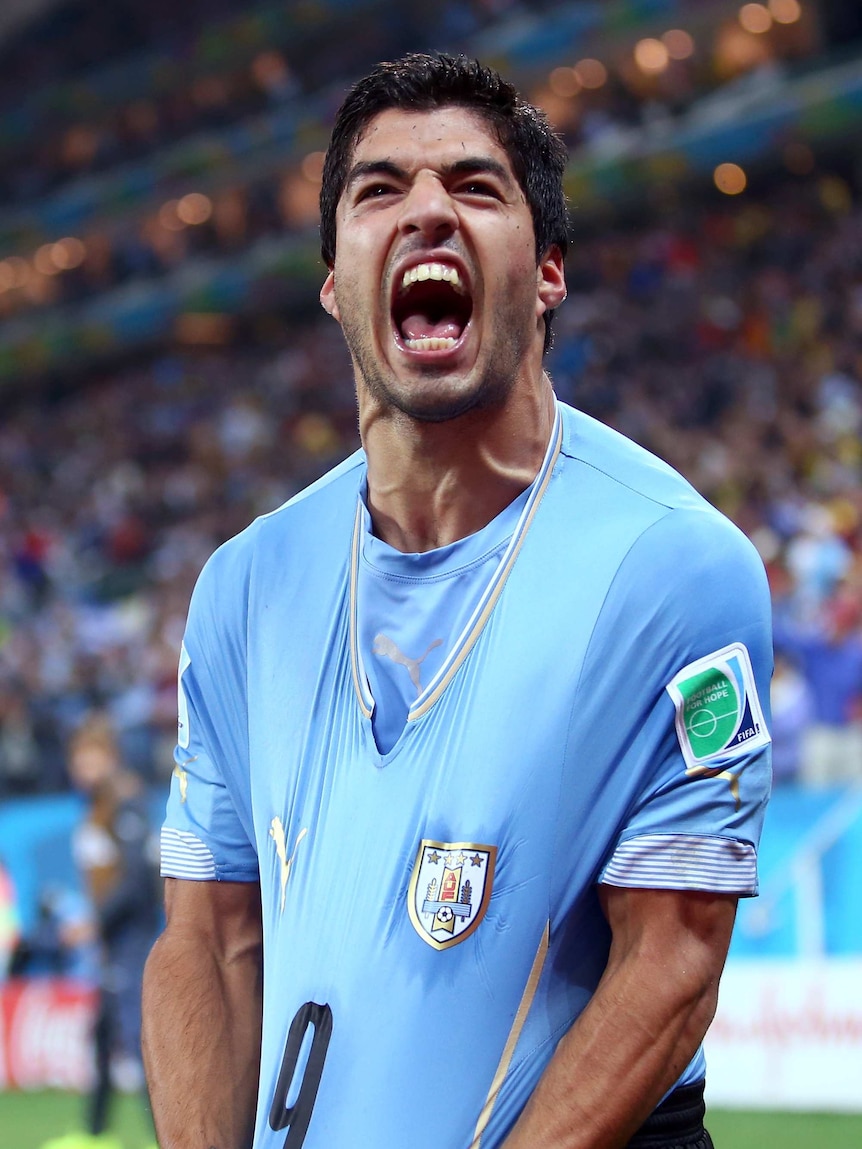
(450, 888)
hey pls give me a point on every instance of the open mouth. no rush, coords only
(432, 307)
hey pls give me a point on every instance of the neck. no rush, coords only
(430, 484)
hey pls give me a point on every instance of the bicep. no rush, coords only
(681, 934)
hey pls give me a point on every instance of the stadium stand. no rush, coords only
(723, 332)
(728, 343)
(166, 374)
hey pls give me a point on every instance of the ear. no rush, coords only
(327, 296)
(551, 280)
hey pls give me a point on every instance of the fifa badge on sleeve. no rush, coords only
(718, 713)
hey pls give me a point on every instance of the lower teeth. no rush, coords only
(430, 344)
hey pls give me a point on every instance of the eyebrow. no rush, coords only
(479, 164)
(469, 165)
(373, 168)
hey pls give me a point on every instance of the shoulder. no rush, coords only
(700, 545)
(304, 535)
(625, 464)
(664, 533)
(279, 534)
(697, 572)
(685, 578)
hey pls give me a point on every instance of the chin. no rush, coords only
(441, 400)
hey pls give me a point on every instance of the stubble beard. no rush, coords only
(433, 395)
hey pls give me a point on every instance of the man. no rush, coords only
(479, 711)
(113, 849)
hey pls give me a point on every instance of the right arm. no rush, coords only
(202, 1015)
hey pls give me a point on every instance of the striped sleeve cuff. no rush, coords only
(684, 862)
(185, 856)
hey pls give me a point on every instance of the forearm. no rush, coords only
(611, 1069)
(201, 1041)
(629, 1046)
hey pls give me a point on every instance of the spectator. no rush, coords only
(791, 719)
(113, 848)
(62, 942)
(724, 342)
(830, 655)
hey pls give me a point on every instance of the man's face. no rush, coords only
(91, 765)
(435, 281)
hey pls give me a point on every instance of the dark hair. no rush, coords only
(419, 82)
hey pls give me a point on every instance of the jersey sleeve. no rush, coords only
(689, 622)
(207, 833)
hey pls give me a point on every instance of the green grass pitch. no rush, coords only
(749, 1130)
(27, 1120)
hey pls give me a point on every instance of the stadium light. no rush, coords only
(591, 73)
(564, 82)
(679, 43)
(194, 208)
(651, 55)
(68, 253)
(785, 11)
(729, 179)
(755, 18)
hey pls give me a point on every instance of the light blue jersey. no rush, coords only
(412, 608)
(431, 920)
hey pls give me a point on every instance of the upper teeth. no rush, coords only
(425, 271)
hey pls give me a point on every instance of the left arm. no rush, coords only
(642, 1026)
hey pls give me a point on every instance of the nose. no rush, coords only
(428, 208)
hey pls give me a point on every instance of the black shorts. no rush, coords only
(677, 1123)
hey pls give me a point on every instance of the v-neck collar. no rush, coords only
(482, 612)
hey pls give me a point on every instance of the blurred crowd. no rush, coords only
(106, 86)
(723, 334)
(726, 338)
(198, 137)
(730, 343)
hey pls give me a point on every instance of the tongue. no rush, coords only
(421, 327)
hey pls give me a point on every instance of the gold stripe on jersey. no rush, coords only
(489, 598)
(496, 585)
(360, 682)
(514, 1033)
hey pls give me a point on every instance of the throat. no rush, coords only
(417, 521)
